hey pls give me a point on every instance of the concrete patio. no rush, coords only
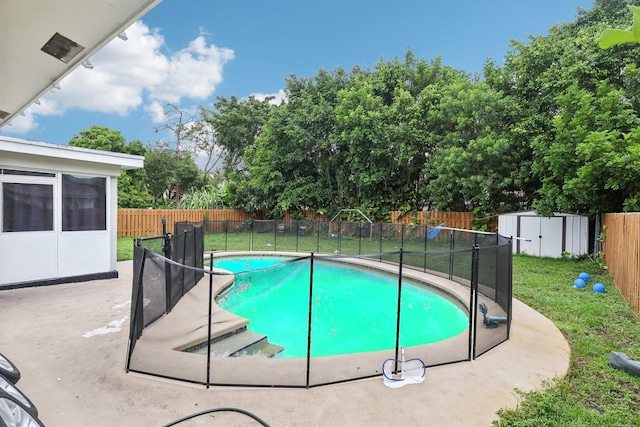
(69, 341)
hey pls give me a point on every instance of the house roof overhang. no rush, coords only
(29, 26)
(16, 148)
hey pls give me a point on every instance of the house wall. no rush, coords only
(55, 256)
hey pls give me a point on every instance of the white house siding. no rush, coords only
(56, 256)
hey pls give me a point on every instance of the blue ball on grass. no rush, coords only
(579, 283)
(584, 276)
(599, 287)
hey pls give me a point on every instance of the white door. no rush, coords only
(552, 234)
(530, 235)
(28, 234)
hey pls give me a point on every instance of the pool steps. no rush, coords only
(240, 343)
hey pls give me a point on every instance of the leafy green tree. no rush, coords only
(546, 74)
(592, 164)
(132, 191)
(131, 194)
(384, 135)
(100, 138)
(160, 166)
(477, 163)
(291, 165)
(166, 174)
(236, 124)
(187, 174)
(365, 157)
(537, 131)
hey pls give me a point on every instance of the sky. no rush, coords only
(189, 52)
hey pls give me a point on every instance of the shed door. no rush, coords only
(552, 232)
(546, 235)
(530, 234)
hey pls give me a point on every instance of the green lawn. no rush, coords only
(592, 394)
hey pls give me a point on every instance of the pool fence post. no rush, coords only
(166, 252)
(381, 224)
(398, 310)
(510, 286)
(425, 228)
(210, 319)
(183, 259)
(137, 314)
(309, 319)
(226, 233)
(475, 256)
(251, 235)
(451, 247)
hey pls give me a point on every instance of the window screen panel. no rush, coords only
(84, 203)
(27, 207)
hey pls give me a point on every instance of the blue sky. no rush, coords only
(188, 52)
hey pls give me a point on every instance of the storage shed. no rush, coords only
(546, 236)
(58, 212)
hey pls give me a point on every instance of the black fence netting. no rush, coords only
(494, 292)
(308, 303)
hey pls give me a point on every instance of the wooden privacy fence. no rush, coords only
(622, 253)
(148, 222)
(450, 219)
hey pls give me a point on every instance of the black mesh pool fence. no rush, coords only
(194, 321)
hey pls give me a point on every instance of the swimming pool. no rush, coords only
(353, 310)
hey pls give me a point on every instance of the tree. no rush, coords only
(236, 124)
(547, 74)
(179, 123)
(187, 175)
(386, 134)
(202, 135)
(132, 192)
(593, 163)
(165, 174)
(290, 165)
(160, 166)
(100, 138)
(477, 163)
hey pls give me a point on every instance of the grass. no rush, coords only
(125, 248)
(290, 242)
(592, 393)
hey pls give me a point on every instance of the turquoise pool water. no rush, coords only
(353, 310)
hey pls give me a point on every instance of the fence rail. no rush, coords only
(622, 252)
(148, 222)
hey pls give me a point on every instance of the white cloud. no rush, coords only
(136, 73)
(21, 124)
(279, 97)
(24, 123)
(156, 110)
